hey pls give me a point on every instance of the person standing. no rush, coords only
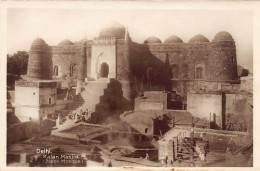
(147, 156)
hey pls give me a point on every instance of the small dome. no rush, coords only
(173, 39)
(65, 42)
(198, 38)
(38, 41)
(152, 39)
(114, 29)
(223, 36)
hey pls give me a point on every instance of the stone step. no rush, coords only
(90, 97)
(78, 102)
(78, 98)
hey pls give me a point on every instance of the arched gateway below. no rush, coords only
(104, 70)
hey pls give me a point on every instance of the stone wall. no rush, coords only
(247, 83)
(47, 96)
(175, 65)
(177, 61)
(233, 111)
(207, 106)
(239, 112)
(20, 132)
(218, 59)
(152, 101)
(67, 58)
(144, 125)
(123, 68)
(34, 99)
(120, 53)
(64, 57)
(149, 104)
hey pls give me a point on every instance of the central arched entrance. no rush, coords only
(104, 70)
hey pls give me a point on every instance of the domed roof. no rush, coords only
(65, 42)
(152, 39)
(223, 36)
(198, 38)
(173, 39)
(114, 29)
(38, 41)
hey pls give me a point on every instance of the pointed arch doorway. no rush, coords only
(104, 70)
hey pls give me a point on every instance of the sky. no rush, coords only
(54, 25)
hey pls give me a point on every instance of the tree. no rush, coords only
(17, 63)
(244, 73)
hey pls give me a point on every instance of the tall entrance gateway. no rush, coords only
(104, 70)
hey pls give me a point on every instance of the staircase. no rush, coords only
(102, 98)
(89, 99)
(93, 92)
(77, 102)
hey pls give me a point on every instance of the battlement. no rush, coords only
(104, 40)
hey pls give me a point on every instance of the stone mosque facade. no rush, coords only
(198, 65)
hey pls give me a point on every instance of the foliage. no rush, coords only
(245, 72)
(17, 63)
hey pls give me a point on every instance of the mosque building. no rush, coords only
(198, 65)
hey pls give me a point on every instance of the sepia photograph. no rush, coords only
(101, 87)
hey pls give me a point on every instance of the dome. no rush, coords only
(198, 38)
(152, 39)
(114, 29)
(38, 41)
(173, 39)
(65, 42)
(223, 36)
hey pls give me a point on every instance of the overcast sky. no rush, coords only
(55, 25)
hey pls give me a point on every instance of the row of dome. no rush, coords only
(222, 36)
(118, 31)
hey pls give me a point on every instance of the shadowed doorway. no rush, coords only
(104, 70)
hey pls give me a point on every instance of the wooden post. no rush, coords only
(23, 158)
(175, 144)
(192, 143)
(209, 119)
(191, 148)
(173, 121)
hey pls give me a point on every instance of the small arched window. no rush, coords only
(55, 70)
(73, 70)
